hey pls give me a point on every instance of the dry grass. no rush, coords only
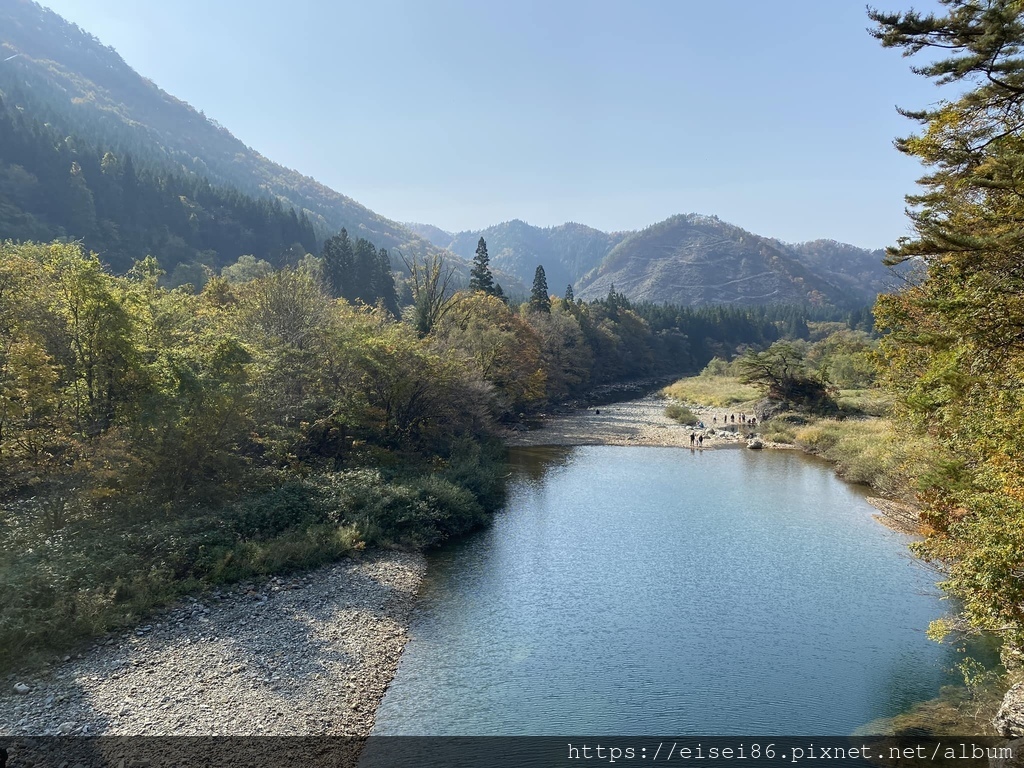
(870, 402)
(716, 391)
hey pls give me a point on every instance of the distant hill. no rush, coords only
(430, 233)
(567, 252)
(219, 196)
(698, 260)
(78, 85)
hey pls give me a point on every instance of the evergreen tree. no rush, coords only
(337, 256)
(569, 296)
(540, 300)
(954, 342)
(480, 277)
(366, 273)
(386, 280)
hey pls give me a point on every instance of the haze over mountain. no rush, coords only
(86, 88)
(80, 88)
(687, 259)
(695, 260)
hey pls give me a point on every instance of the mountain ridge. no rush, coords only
(650, 264)
(103, 93)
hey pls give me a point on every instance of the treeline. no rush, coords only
(53, 185)
(155, 438)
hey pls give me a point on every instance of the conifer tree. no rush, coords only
(386, 281)
(337, 256)
(480, 277)
(540, 301)
(569, 296)
(952, 349)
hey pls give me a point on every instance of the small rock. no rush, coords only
(755, 444)
(65, 728)
(21, 688)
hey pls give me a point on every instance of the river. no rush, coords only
(637, 590)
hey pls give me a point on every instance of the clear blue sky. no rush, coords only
(776, 116)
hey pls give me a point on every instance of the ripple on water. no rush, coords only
(630, 590)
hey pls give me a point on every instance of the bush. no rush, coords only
(416, 512)
(680, 413)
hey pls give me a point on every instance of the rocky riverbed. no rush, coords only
(637, 422)
(305, 655)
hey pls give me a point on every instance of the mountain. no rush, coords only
(567, 251)
(698, 260)
(54, 185)
(857, 270)
(430, 233)
(70, 80)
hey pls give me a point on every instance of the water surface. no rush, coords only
(629, 590)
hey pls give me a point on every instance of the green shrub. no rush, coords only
(777, 431)
(680, 413)
(413, 512)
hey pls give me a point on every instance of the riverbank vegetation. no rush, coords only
(844, 421)
(156, 439)
(951, 349)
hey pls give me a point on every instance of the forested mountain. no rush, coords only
(567, 252)
(855, 269)
(53, 184)
(70, 80)
(435, 235)
(689, 259)
(699, 260)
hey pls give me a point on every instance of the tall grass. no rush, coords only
(716, 391)
(866, 451)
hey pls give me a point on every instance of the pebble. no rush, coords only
(312, 661)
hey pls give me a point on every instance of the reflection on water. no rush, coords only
(647, 590)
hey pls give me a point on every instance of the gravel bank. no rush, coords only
(306, 655)
(637, 422)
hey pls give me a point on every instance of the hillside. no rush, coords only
(54, 185)
(697, 260)
(434, 235)
(689, 259)
(567, 251)
(72, 81)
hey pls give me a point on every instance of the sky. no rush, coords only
(775, 116)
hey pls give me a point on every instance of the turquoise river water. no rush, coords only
(630, 590)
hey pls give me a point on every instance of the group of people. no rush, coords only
(697, 436)
(731, 418)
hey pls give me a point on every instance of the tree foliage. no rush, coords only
(783, 373)
(540, 299)
(954, 343)
(480, 277)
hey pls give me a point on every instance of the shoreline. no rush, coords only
(643, 422)
(633, 422)
(309, 654)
